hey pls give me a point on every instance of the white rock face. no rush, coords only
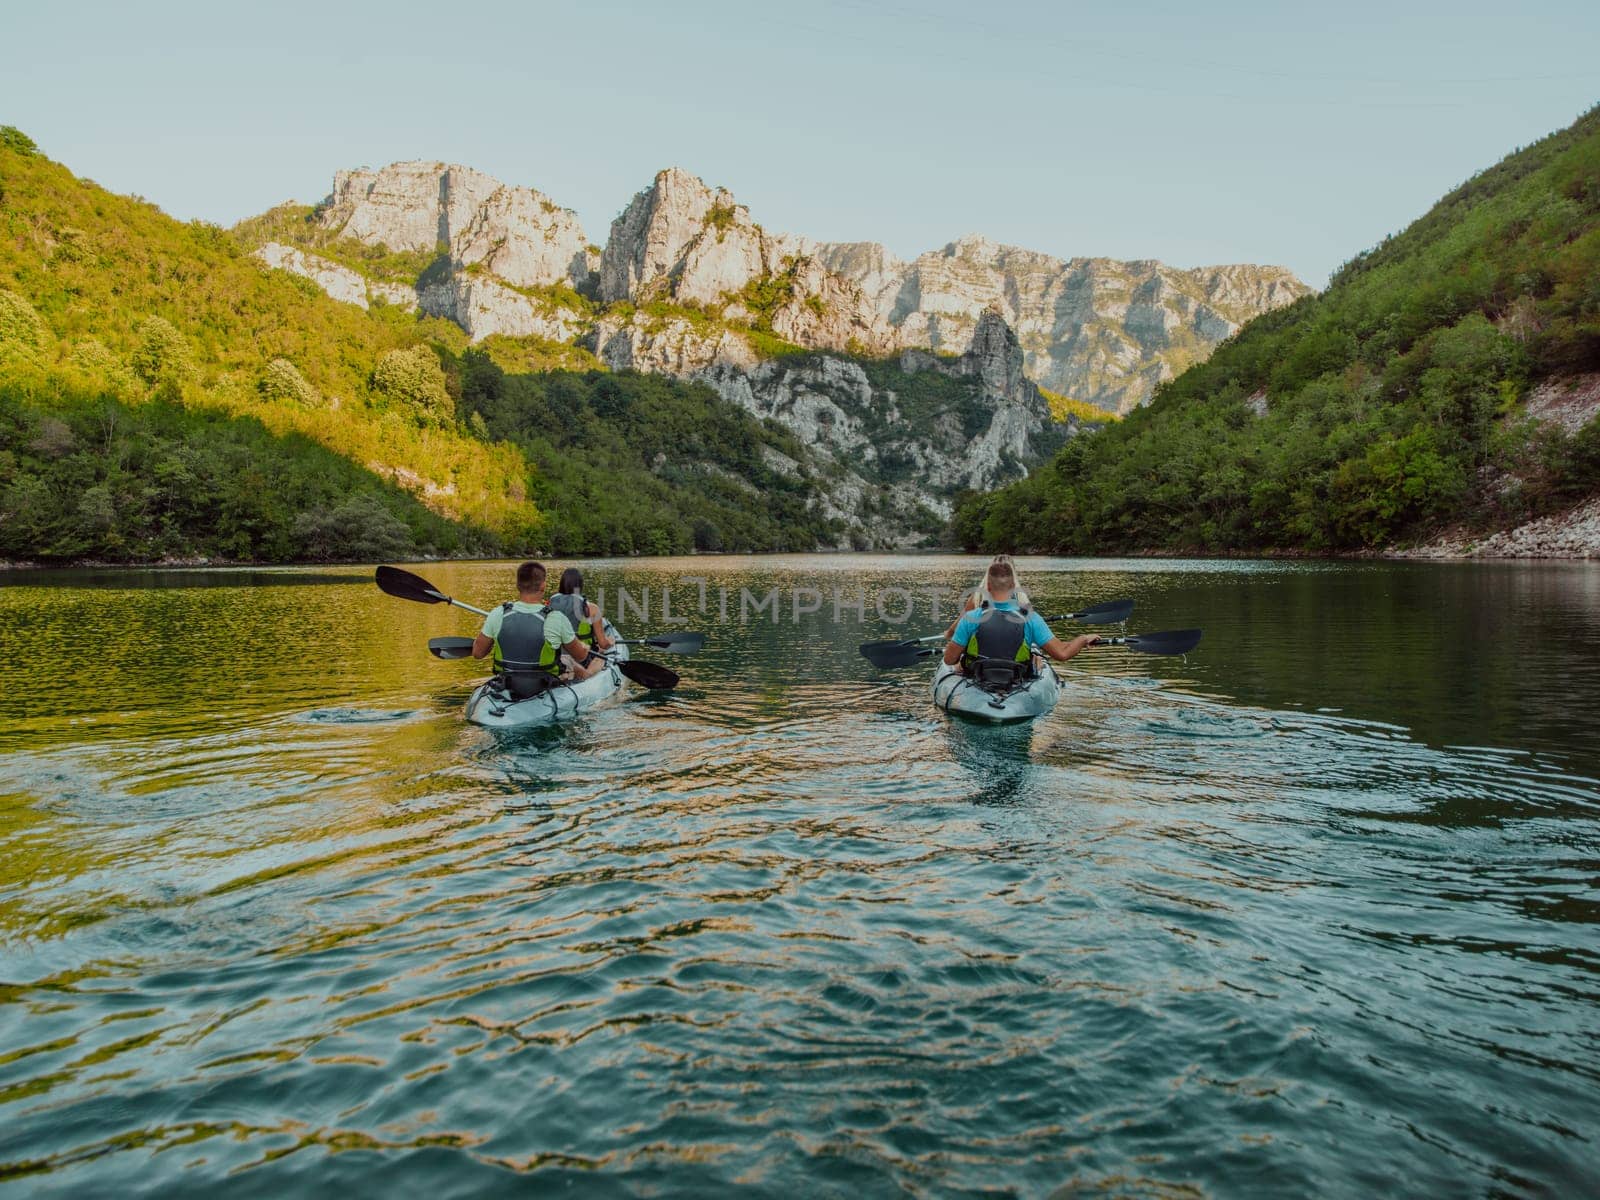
(909, 469)
(517, 233)
(826, 311)
(668, 346)
(522, 237)
(681, 238)
(338, 281)
(1096, 329)
(498, 239)
(406, 205)
(482, 306)
(1093, 328)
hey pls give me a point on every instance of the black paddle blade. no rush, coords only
(871, 648)
(407, 586)
(450, 647)
(1109, 613)
(675, 643)
(649, 675)
(1171, 641)
(888, 655)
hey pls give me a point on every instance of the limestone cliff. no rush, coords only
(339, 281)
(922, 377)
(1096, 329)
(903, 437)
(492, 238)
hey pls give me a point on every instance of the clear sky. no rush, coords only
(1274, 132)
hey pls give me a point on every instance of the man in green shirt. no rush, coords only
(527, 637)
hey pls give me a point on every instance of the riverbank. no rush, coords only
(1573, 534)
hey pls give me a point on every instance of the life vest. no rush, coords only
(1001, 634)
(521, 654)
(575, 608)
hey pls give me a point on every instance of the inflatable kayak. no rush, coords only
(955, 693)
(492, 707)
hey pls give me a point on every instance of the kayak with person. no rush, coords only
(998, 659)
(547, 669)
(994, 665)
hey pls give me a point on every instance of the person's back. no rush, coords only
(526, 637)
(584, 616)
(1003, 629)
(1000, 629)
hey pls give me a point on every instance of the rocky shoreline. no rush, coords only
(1574, 534)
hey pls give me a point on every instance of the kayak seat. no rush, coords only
(999, 674)
(524, 685)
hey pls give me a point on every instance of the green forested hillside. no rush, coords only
(163, 395)
(694, 467)
(1392, 401)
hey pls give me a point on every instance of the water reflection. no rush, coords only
(271, 916)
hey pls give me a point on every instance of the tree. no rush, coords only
(101, 370)
(280, 381)
(23, 333)
(361, 529)
(163, 356)
(414, 380)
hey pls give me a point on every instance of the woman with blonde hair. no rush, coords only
(1000, 627)
(981, 594)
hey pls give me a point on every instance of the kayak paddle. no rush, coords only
(888, 655)
(649, 675)
(893, 651)
(450, 647)
(1109, 613)
(672, 643)
(407, 586)
(1170, 641)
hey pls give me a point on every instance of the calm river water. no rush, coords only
(1312, 911)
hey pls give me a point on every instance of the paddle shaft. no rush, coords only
(1111, 611)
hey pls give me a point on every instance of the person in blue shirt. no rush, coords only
(1000, 627)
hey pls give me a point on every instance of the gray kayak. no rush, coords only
(954, 693)
(493, 709)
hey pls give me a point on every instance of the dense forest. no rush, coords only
(164, 396)
(1369, 414)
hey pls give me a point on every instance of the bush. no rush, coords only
(362, 529)
(281, 382)
(163, 356)
(16, 141)
(101, 370)
(414, 380)
(23, 333)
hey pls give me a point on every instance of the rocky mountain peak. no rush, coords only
(406, 205)
(519, 234)
(684, 240)
(1096, 329)
(995, 355)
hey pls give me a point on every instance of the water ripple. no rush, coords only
(786, 927)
